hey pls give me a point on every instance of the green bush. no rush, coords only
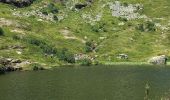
(46, 48)
(35, 41)
(99, 27)
(141, 27)
(51, 8)
(65, 55)
(90, 46)
(95, 29)
(85, 62)
(16, 37)
(1, 32)
(96, 63)
(123, 19)
(150, 26)
(37, 67)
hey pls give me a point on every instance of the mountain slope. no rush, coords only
(137, 28)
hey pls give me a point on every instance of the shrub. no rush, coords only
(51, 8)
(88, 49)
(90, 46)
(85, 62)
(125, 4)
(44, 12)
(140, 27)
(123, 19)
(96, 63)
(48, 49)
(37, 67)
(67, 56)
(16, 37)
(1, 32)
(150, 26)
(35, 41)
(95, 29)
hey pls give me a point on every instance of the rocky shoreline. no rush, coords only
(10, 64)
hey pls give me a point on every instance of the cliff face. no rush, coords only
(18, 3)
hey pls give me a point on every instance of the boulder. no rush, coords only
(122, 56)
(5, 61)
(158, 60)
(16, 61)
(18, 3)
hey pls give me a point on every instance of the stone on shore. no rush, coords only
(158, 60)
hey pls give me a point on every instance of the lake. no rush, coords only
(87, 83)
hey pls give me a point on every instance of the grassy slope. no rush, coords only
(145, 45)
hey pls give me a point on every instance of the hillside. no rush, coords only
(53, 32)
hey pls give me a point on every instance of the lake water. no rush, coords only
(87, 83)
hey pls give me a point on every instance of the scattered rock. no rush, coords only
(122, 56)
(128, 11)
(158, 60)
(19, 52)
(16, 47)
(16, 61)
(10, 64)
(102, 38)
(121, 23)
(83, 56)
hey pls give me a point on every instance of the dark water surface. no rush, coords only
(86, 83)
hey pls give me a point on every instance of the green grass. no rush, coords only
(118, 38)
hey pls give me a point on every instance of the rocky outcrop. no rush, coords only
(9, 65)
(18, 3)
(122, 56)
(158, 60)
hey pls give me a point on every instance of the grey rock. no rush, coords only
(158, 60)
(122, 56)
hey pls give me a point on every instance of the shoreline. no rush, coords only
(100, 64)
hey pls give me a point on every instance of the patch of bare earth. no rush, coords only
(68, 35)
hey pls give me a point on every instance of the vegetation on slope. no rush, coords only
(53, 31)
